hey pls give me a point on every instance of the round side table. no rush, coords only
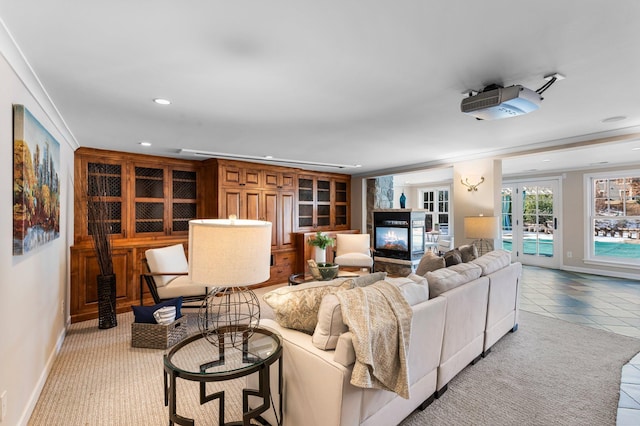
(196, 359)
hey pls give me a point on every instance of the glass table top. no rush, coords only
(197, 355)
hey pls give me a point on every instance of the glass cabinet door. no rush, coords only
(104, 185)
(149, 200)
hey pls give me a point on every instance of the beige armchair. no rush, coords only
(168, 278)
(354, 250)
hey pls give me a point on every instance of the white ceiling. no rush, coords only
(375, 83)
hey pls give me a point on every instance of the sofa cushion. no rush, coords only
(297, 306)
(452, 257)
(430, 262)
(414, 288)
(368, 279)
(493, 261)
(330, 325)
(166, 259)
(354, 259)
(468, 252)
(181, 286)
(449, 278)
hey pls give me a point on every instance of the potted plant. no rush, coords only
(321, 241)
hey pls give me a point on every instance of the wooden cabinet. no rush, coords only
(279, 179)
(84, 282)
(323, 202)
(100, 180)
(340, 210)
(234, 174)
(147, 196)
(164, 200)
(265, 194)
(150, 202)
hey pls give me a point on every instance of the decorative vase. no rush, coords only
(107, 301)
(403, 200)
(328, 271)
(320, 254)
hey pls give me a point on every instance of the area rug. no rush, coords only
(549, 372)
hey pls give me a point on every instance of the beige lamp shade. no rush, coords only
(481, 227)
(229, 253)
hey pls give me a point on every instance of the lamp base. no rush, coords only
(229, 315)
(484, 246)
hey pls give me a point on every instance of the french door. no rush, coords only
(530, 222)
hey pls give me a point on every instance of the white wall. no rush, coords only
(485, 201)
(33, 287)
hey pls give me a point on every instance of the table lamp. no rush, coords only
(228, 255)
(481, 229)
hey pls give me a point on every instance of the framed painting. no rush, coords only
(36, 183)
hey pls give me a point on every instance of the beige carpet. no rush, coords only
(548, 373)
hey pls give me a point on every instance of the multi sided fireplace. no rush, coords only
(399, 233)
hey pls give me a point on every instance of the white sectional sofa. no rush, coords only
(459, 312)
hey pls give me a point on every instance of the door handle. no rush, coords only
(555, 223)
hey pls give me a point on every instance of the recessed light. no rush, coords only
(145, 143)
(546, 160)
(635, 149)
(161, 101)
(614, 119)
(268, 157)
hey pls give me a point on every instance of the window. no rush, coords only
(614, 217)
(436, 201)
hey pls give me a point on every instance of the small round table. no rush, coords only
(295, 279)
(195, 359)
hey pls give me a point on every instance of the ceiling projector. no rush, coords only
(495, 102)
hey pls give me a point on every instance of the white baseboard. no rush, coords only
(606, 273)
(35, 395)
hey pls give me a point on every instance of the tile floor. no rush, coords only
(607, 303)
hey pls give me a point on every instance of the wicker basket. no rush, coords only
(158, 336)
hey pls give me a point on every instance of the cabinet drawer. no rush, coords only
(283, 266)
(284, 259)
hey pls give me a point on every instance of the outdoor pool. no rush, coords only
(603, 248)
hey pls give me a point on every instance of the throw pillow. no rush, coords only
(493, 261)
(165, 315)
(144, 314)
(468, 252)
(330, 325)
(452, 257)
(368, 279)
(297, 306)
(430, 262)
(449, 278)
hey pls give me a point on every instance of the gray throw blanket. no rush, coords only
(379, 318)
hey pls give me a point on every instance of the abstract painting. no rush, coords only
(36, 183)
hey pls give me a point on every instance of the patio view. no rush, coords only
(537, 220)
(615, 219)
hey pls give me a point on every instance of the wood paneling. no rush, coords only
(160, 195)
